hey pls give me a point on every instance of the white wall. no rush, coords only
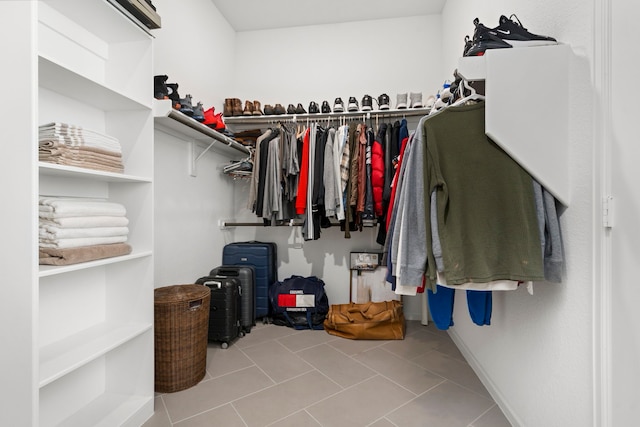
(536, 357)
(195, 48)
(317, 63)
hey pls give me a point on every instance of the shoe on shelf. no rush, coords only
(467, 45)
(401, 101)
(214, 121)
(198, 112)
(160, 90)
(513, 32)
(325, 107)
(291, 109)
(313, 108)
(237, 107)
(248, 108)
(353, 104)
(256, 108)
(367, 103)
(268, 110)
(228, 107)
(185, 105)
(172, 88)
(445, 93)
(431, 100)
(415, 100)
(384, 102)
(300, 109)
(279, 110)
(485, 38)
(338, 106)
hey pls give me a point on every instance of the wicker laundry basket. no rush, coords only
(181, 314)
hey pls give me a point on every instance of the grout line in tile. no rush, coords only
(165, 408)
(414, 398)
(239, 416)
(481, 415)
(230, 372)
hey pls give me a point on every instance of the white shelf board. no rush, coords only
(51, 270)
(59, 79)
(527, 109)
(69, 354)
(182, 126)
(110, 410)
(51, 169)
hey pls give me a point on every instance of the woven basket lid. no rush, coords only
(173, 293)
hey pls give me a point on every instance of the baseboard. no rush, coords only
(486, 380)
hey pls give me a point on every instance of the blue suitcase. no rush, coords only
(263, 257)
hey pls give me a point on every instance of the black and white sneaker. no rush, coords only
(325, 107)
(509, 33)
(353, 104)
(513, 32)
(367, 103)
(383, 102)
(338, 106)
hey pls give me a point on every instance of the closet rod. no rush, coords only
(408, 112)
(290, 223)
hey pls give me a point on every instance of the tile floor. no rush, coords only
(276, 376)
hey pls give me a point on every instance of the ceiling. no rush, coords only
(249, 15)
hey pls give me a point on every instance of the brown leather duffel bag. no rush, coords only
(368, 321)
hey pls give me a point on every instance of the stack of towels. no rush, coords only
(70, 145)
(73, 230)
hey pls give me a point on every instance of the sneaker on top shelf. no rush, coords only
(198, 112)
(338, 106)
(513, 32)
(384, 102)
(401, 101)
(291, 109)
(257, 111)
(248, 108)
(278, 109)
(300, 109)
(415, 100)
(268, 110)
(313, 108)
(160, 90)
(367, 103)
(484, 38)
(353, 104)
(325, 107)
(185, 105)
(431, 100)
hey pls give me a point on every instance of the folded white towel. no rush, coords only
(86, 221)
(63, 207)
(51, 232)
(76, 243)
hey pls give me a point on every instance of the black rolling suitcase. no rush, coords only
(263, 257)
(245, 274)
(224, 319)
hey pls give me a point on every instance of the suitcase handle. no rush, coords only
(213, 283)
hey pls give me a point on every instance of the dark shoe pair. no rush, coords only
(296, 110)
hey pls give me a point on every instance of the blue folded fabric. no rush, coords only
(441, 306)
(480, 306)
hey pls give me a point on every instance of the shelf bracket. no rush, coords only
(193, 158)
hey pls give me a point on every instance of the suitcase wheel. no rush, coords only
(224, 345)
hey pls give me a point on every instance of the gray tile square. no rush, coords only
(492, 418)
(413, 345)
(382, 422)
(351, 347)
(452, 369)
(299, 419)
(279, 363)
(361, 404)
(214, 392)
(264, 333)
(284, 399)
(447, 405)
(398, 370)
(223, 416)
(160, 417)
(336, 365)
(223, 361)
(305, 339)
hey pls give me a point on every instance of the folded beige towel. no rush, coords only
(50, 256)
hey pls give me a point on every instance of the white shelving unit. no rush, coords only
(89, 334)
(527, 108)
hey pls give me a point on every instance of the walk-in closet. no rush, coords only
(160, 195)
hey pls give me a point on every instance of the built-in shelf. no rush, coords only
(52, 270)
(52, 169)
(62, 357)
(527, 108)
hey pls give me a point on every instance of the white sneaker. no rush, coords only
(402, 101)
(415, 100)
